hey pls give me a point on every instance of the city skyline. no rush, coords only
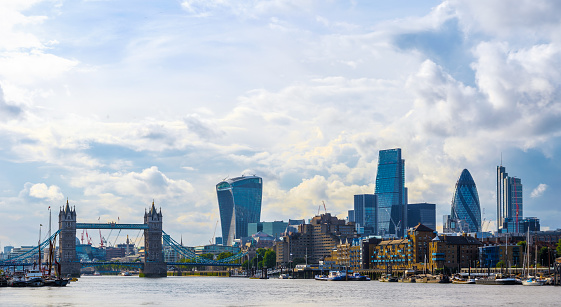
(113, 105)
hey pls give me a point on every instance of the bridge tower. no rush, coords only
(69, 264)
(154, 265)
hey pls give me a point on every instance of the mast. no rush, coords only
(39, 246)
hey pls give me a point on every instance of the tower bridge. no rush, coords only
(153, 264)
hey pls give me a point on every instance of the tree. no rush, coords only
(523, 244)
(500, 264)
(559, 248)
(270, 259)
(208, 256)
(224, 255)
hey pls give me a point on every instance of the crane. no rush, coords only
(214, 235)
(324, 208)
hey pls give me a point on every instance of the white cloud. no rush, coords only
(539, 190)
(42, 191)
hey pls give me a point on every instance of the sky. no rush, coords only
(115, 104)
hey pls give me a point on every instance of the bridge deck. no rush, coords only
(110, 226)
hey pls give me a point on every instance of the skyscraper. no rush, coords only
(239, 201)
(509, 200)
(365, 212)
(391, 193)
(423, 213)
(465, 204)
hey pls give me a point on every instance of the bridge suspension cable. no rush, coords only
(32, 252)
(187, 253)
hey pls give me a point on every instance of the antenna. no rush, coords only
(501, 158)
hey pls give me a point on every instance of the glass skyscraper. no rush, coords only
(509, 200)
(365, 212)
(239, 201)
(423, 213)
(391, 194)
(465, 204)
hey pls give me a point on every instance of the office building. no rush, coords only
(365, 213)
(239, 201)
(421, 213)
(274, 229)
(391, 194)
(453, 252)
(351, 216)
(314, 241)
(509, 202)
(419, 238)
(465, 204)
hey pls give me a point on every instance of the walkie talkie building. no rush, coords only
(239, 202)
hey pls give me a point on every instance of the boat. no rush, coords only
(17, 280)
(126, 273)
(408, 276)
(333, 276)
(284, 276)
(388, 278)
(357, 277)
(496, 280)
(532, 281)
(461, 280)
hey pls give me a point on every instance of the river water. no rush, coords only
(222, 291)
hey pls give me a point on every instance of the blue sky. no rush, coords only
(112, 104)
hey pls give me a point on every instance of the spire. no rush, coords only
(67, 208)
(181, 239)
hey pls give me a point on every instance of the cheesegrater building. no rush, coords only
(465, 204)
(239, 202)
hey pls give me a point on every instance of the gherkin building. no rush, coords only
(465, 204)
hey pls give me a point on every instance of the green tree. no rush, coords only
(208, 256)
(559, 248)
(270, 259)
(224, 255)
(523, 244)
(500, 264)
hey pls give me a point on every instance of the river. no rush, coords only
(109, 291)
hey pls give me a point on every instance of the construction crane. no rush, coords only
(214, 234)
(324, 208)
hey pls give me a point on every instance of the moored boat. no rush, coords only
(533, 281)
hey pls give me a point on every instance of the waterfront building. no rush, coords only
(365, 213)
(239, 201)
(465, 203)
(391, 194)
(509, 202)
(510, 254)
(274, 229)
(419, 238)
(314, 241)
(392, 254)
(346, 255)
(421, 213)
(453, 252)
